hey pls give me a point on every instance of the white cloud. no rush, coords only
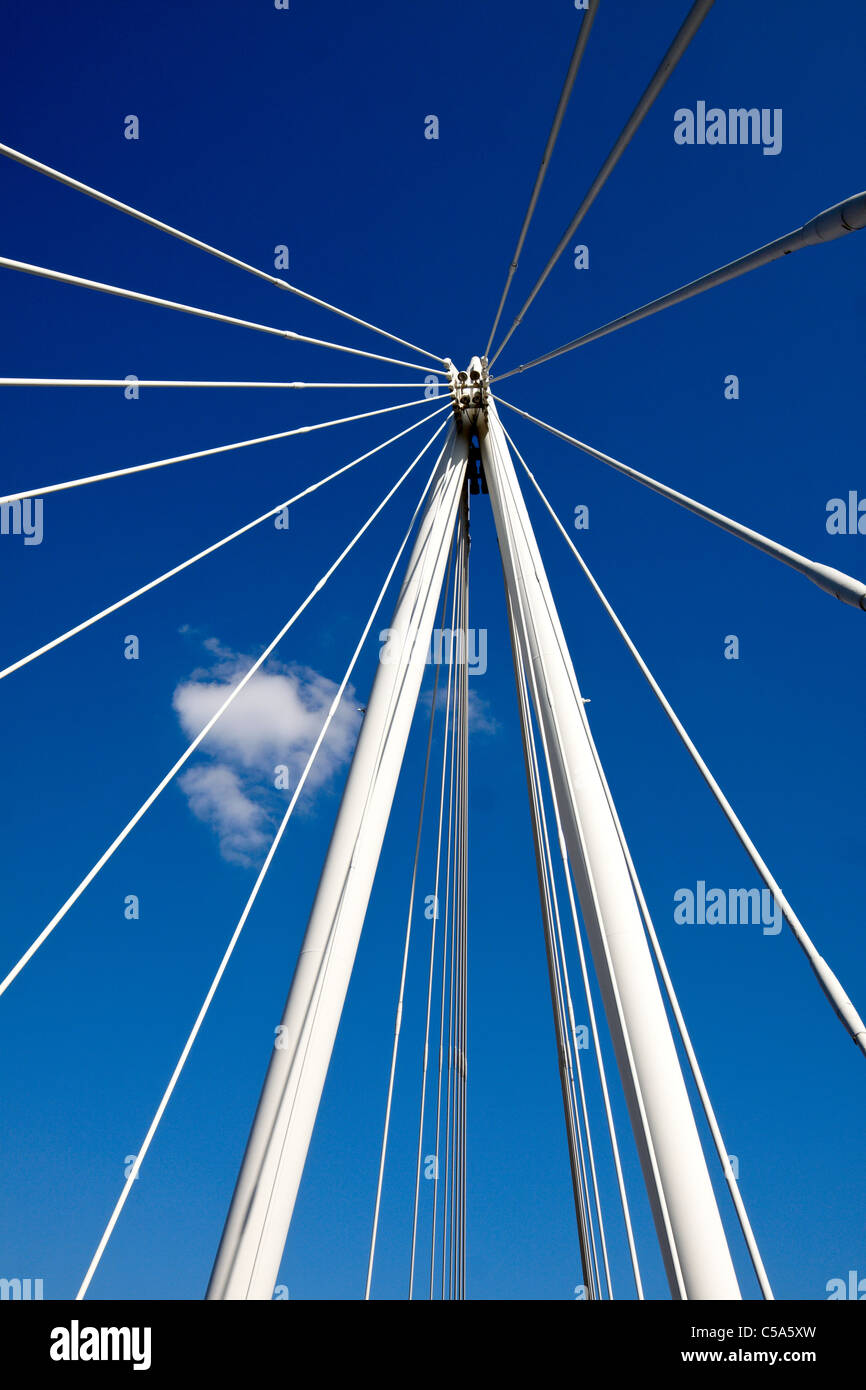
(273, 723)
(215, 796)
(481, 718)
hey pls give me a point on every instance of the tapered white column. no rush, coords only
(688, 1223)
(251, 1249)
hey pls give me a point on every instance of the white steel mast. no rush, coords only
(248, 1259)
(690, 1231)
(689, 1227)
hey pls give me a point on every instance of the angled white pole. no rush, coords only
(683, 37)
(837, 221)
(201, 453)
(562, 1045)
(140, 298)
(691, 1235)
(30, 163)
(828, 981)
(577, 54)
(248, 1260)
(842, 586)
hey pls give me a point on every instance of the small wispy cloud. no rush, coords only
(262, 742)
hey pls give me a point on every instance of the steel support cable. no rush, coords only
(285, 1112)
(623, 1196)
(431, 968)
(832, 581)
(465, 900)
(694, 1066)
(630, 1059)
(451, 1126)
(596, 1040)
(578, 1070)
(199, 738)
(570, 1030)
(593, 1021)
(47, 274)
(451, 1114)
(564, 97)
(599, 1058)
(201, 245)
(203, 453)
(443, 1130)
(335, 704)
(831, 986)
(209, 550)
(718, 1140)
(563, 995)
(127, 382)
(463, 1073)
(447, 958)
(402, 991)
(559, 975)
(458, 1246)
(284, 1115)
(683, 38)
(443, 1127)
(518, 639)
(844, 217)
(691, 1055)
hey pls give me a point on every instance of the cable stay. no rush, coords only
(516, 609)
(260, 1214)
(562, 1041)
(209, 550)
(564, 97)
(519, 640)
(832, 581)
(402, 992)
(830, 985)
(141, 298)
(126, 382)
(260, 878)
(462, 884)
(569, 1023)
(203, 453)
(446, 734)
(453, 1059)
(687, 1219)
(837, 221)
(691, 1055)
(199, 738)
(599, 1058)
(693, 21)
(443, 1123)
(201, 245)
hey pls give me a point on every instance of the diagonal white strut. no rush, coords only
(248, 1260)
(691, 1235)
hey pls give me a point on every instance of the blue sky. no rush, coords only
(305, 128)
